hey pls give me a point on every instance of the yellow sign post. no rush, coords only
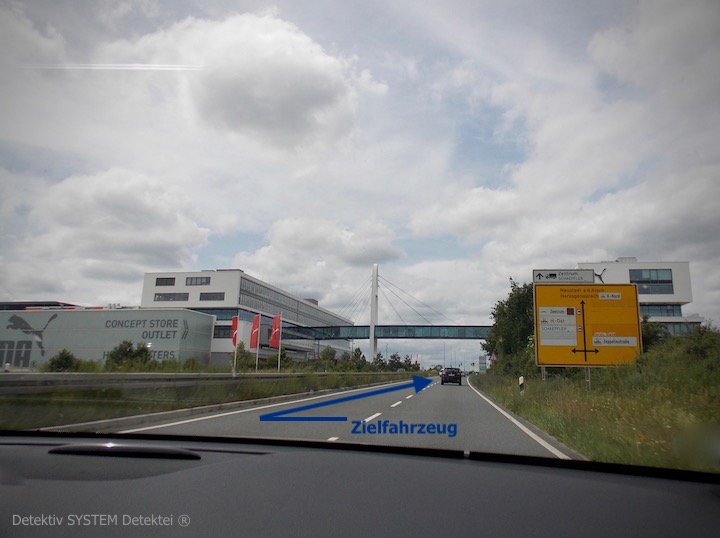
(586, 324)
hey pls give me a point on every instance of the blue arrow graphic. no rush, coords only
(418, 383)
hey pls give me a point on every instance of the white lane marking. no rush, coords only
(408, 397)
(245, 410)
(333, 438)
(396, 404)
(371, 417)
(547, 446)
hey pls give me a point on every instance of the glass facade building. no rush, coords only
(664, 288)
(226, 293)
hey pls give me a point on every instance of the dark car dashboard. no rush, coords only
(57, 484)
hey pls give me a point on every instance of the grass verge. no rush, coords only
(662, 411)
(34, 411)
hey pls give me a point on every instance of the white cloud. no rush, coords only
(110, 12)
(670, 55)
(661, 44)
(259, 76)
(366, 82)
(306, 253)
(477, 141)
(24, 43)
(111, 226)
(584, 144)
(118, 216)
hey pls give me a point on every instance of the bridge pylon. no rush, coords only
(373, 312)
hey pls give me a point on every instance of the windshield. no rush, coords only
(480, 226)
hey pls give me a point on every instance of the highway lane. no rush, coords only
(440, 416)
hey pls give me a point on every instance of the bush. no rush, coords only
(191, 365)
(64, 361)
(124, 357)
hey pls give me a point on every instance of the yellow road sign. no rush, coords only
(586, 324)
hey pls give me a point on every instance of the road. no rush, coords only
(439, 416)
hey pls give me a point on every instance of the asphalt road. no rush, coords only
(439, 416)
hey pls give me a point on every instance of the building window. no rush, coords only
(652, 281)
(224, 314)
(661, 310)
(163, 281)
(222, 331)
(215, 296)
(172, 296)
(197, 281)
(681, 329)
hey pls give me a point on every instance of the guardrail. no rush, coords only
(34, 383)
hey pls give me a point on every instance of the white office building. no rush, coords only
(225, 293)
(664, 288)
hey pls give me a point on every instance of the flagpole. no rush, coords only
(257, 342)
(279, 340)
(237, 326)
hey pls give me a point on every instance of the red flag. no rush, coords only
(234, 330)
(275, 334)
(255, 332)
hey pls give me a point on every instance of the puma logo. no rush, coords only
(17, 323)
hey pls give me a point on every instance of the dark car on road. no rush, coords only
(451, 375)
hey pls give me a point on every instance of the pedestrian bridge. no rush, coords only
(423, 332)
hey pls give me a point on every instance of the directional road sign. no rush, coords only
(586, 325)
(563, 276)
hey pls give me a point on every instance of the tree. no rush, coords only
(344, 363)
(270, 362)
(514, 322)
(327, 355)
(652, 333)
(395, 363)
(328, 359)
(358, 360)
(64, 361)
(409, 365)
(126, 357)
(285, 361)
(325, 362)
(510, 338)
(245, 358)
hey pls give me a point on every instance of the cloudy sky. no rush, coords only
(455, 144)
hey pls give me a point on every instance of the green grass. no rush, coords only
(33, 411)
(663, 411)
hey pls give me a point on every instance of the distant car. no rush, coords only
(451, 375)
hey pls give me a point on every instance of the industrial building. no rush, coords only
(182, 315)
(225, 293)
(32, 335)
(663, 289)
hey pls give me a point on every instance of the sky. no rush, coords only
(455, 144)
